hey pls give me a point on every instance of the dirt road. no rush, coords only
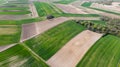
(2, 48)
(74, 50)
(33, 10)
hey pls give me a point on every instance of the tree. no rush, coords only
(50, 17)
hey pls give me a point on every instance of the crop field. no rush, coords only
(19, 56)
(10, 34)
(47, 41)
(88, 5)
(112, 8)
(28, 54)
(14, 8)
(65, 1)
(44, 9)
(14, 13)
(104, 53)
(17, 8)
(59, 33)
(20, 22)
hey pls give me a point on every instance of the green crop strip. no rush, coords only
(19, 22)
(87, 4)
(65, 1)
(45, 9)
(15, 13)
(17, 8)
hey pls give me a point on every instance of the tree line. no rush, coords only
(112, 26)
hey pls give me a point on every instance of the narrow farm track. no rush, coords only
(33, 10)
(70, 9)
(33, 29)
(74, 50)
(2, 48)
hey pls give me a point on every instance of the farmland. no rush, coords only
(67, 27)
(10, 34)
(88, 5)
(99, 57)
(19, 55)
(59, 33)
(65, 1)
(12, 8)
(47, 41)
(14, 13)
(45, 9)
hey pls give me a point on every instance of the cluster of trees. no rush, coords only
(50, 17)
(94, 26)
(106, 2)
(112, 26)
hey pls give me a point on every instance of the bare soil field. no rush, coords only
(74, 50)
(28, 31)
(33, 29)
(114, 8)
(92, 11)
(70, 9)
(116, 3)
(14, 17)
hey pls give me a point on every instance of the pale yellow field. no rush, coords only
(8, 29)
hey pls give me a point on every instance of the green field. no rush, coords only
(9, 34)
(86, 4)
(104, 53)
(45, 9)
(17, 8)
(20, 56)
(20, 22)
(65, 1)
(48, 43)
(26, 54)
(14, 12)
(14, 8)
